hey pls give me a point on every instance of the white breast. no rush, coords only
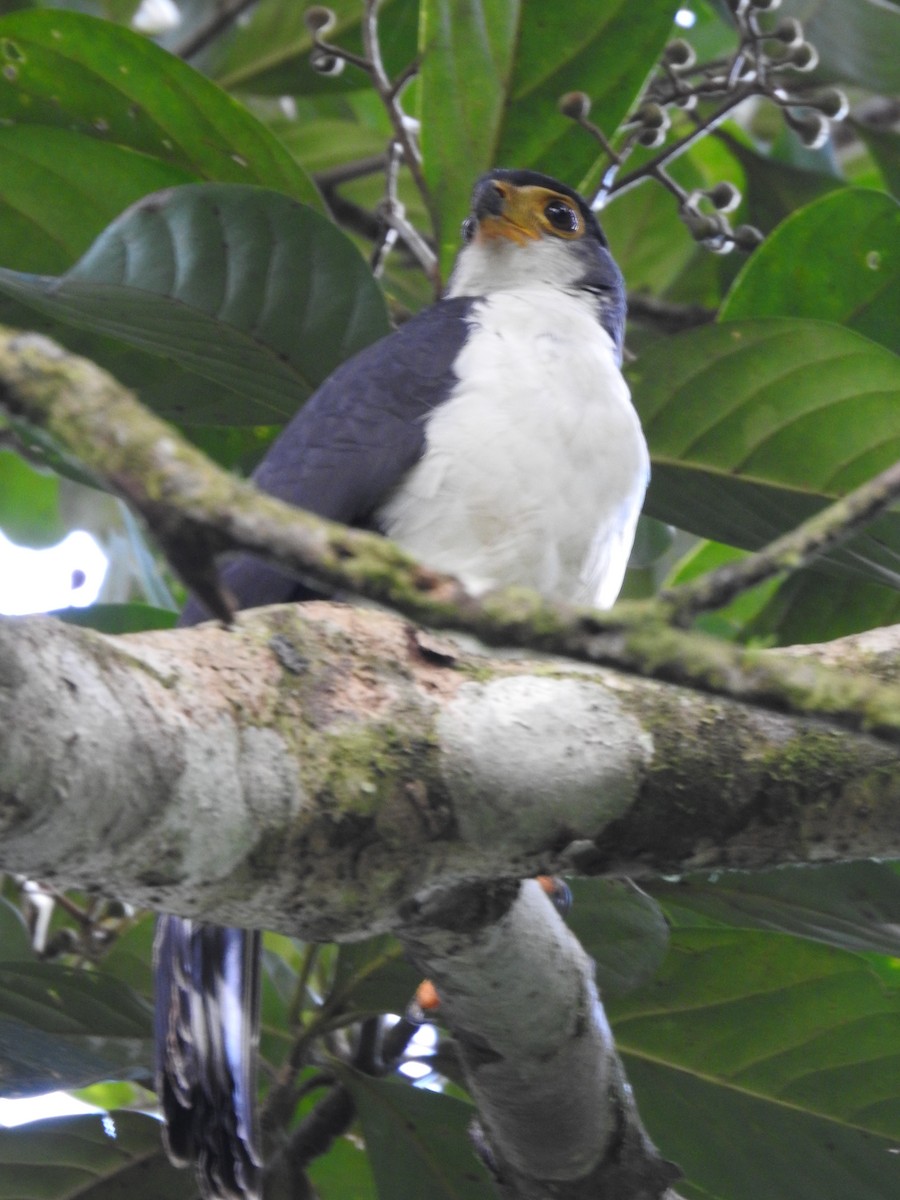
(535, 468)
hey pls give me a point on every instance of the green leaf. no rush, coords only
(73, 72)
(647, 237)
(856, 40)
(90, 1158)
(257, 293)
(734, 1146)
(852, 906)
(775, 189)
(58, 189)
(755, 425)
(417, 1141)
(14, 937)
(622, 929)
(343, 1173)
(373, 976)
(781, 1030)
(29, 503)
(811, 607)
(494, 70)
(884, 146)
(852, 236)
(63, 1028)
(129, 958)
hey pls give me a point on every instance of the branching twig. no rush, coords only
(760, 66)
(404, 148)
(809, 541)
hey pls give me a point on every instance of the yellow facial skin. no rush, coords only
(525, 216)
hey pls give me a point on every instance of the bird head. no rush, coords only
(525, 228)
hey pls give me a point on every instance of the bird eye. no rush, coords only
(561, 216)
(468, 229)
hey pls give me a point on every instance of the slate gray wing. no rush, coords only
(354, 439)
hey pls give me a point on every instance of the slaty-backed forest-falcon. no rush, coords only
(493, 437)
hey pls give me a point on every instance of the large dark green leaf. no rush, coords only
(838, 259)
(417, 1141)
(493, 71)
(754, 425)
(90, 1158)
(241, 285)
(59, 189)
(850, 905)
(70, 72)
(734, 1146)
(812, 607)
(62, 1028)
(802, 1037)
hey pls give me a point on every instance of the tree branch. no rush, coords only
(201, 772)
(556, 1111)
(196, 511)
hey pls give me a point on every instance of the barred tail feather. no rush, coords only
(207, 1022)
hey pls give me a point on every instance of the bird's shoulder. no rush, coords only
(364, 426)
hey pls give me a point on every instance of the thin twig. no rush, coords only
(788, 554)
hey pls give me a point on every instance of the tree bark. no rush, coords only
(323, 769)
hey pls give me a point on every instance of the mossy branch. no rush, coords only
(196, 511)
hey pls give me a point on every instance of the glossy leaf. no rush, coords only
(837, 259)
(852, 906)
(68, 71)
(250, 289)
(417, 1141)
(494, 70)
(90, 1158)
(734, 1146)
(779, 1022)
(64, 1028)
(754, 425)
(59, 189)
